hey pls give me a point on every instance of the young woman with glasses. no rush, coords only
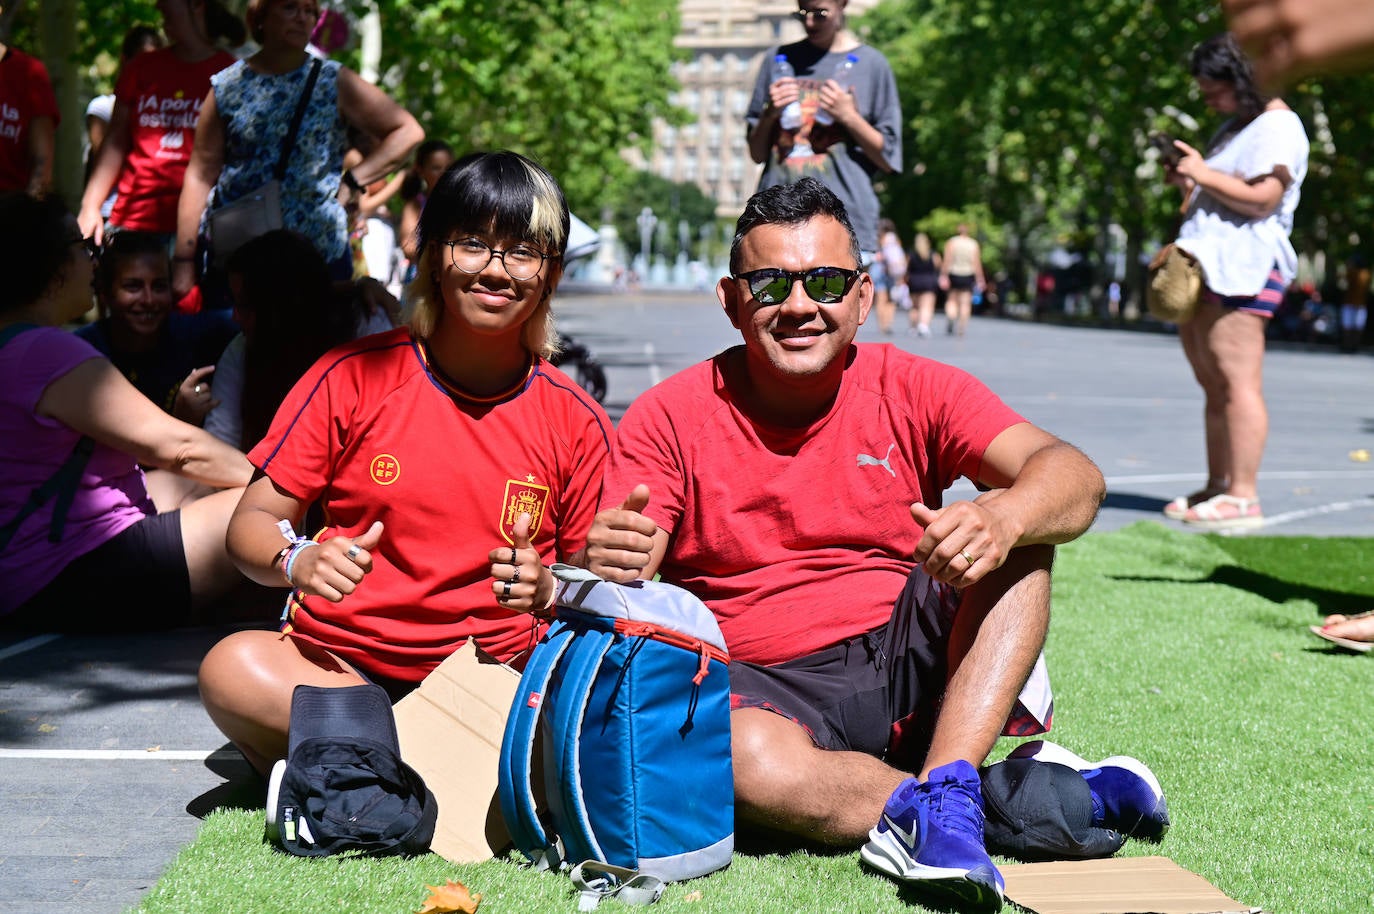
(451, 460)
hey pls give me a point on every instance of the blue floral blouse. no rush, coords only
(256, 110)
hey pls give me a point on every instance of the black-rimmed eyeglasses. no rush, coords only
(471, 255)
(803, 15)
(827, 285)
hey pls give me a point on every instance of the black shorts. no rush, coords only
(136, 581)
(922, 282)
(877, 693)
(961, 283)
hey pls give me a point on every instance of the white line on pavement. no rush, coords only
(655, 374)
(174, 755)
(1274, 520)
(27, 644)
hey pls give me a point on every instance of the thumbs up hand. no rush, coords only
(620, 544)
(336, 568)
(520, 581)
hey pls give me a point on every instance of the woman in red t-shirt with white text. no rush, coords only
(153, 126)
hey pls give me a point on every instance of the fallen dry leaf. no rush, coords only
(449, 898)
(692, 896)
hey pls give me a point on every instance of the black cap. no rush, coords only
(1042, 811)
(344, 786)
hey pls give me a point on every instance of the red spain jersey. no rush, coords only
(373, 433)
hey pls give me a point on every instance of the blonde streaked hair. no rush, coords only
(502, 194)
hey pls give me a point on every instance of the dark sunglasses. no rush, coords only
(826, 285)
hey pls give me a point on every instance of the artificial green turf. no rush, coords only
(1189, 652)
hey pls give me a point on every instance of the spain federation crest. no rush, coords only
(523, 497)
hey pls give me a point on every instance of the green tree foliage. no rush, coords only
(571, 83)
(671, 203)
(1042, 110)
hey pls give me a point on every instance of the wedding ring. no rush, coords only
(353, 552)
(967, 558)
(513, 558)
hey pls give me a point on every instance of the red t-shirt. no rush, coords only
(163, 95)
(800, 538)
(375, 435)
(25, 93)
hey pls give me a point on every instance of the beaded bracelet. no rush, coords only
(296, 549)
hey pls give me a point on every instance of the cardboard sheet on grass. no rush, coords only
(450, 730)
(1116, 885)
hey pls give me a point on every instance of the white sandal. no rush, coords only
(1225, 512)
(1178, 508)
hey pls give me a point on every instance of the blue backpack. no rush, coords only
(631, 688)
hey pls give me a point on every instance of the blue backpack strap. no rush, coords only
(514, 791)
(567, 801)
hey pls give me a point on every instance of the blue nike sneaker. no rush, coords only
(931, 836)
(1126, 795)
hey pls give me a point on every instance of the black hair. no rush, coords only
(35, 241)
(224, 26)
(413, 185)
(503, 193)
(136, 38)
(124, 246)
(297, 318)
(791, 204)
(1220, 59)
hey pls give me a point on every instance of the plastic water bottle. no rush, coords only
(791, 117)
(842, 75)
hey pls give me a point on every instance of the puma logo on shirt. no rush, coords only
(866, 460)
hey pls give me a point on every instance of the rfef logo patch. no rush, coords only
(385, 469)
(527, 497)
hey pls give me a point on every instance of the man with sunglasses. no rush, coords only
(794, 484)
(864, 136)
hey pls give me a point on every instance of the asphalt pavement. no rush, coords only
(107, 762)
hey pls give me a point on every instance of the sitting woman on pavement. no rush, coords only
(169, 357)
(291, 314)
(451, 460)
(84, 531)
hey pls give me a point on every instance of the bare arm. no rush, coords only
(1044, 491)
(839, 101)
(371, 110)
(96, 400)
(410, 218)
(255, 542)
(370, 202)
(781, 93)
(1255, 198)
(207, 161)
(42, 131)
(108, 164)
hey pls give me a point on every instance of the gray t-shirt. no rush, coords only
(827, 152)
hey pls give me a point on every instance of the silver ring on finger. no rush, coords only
(505, 591)
(968, 558)
(353, 552)
(515, 578)
(513, 557)
(199, 388)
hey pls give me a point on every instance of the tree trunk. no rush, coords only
(58, 29)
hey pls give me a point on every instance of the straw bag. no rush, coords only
(257, 212)
(1175, 286)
